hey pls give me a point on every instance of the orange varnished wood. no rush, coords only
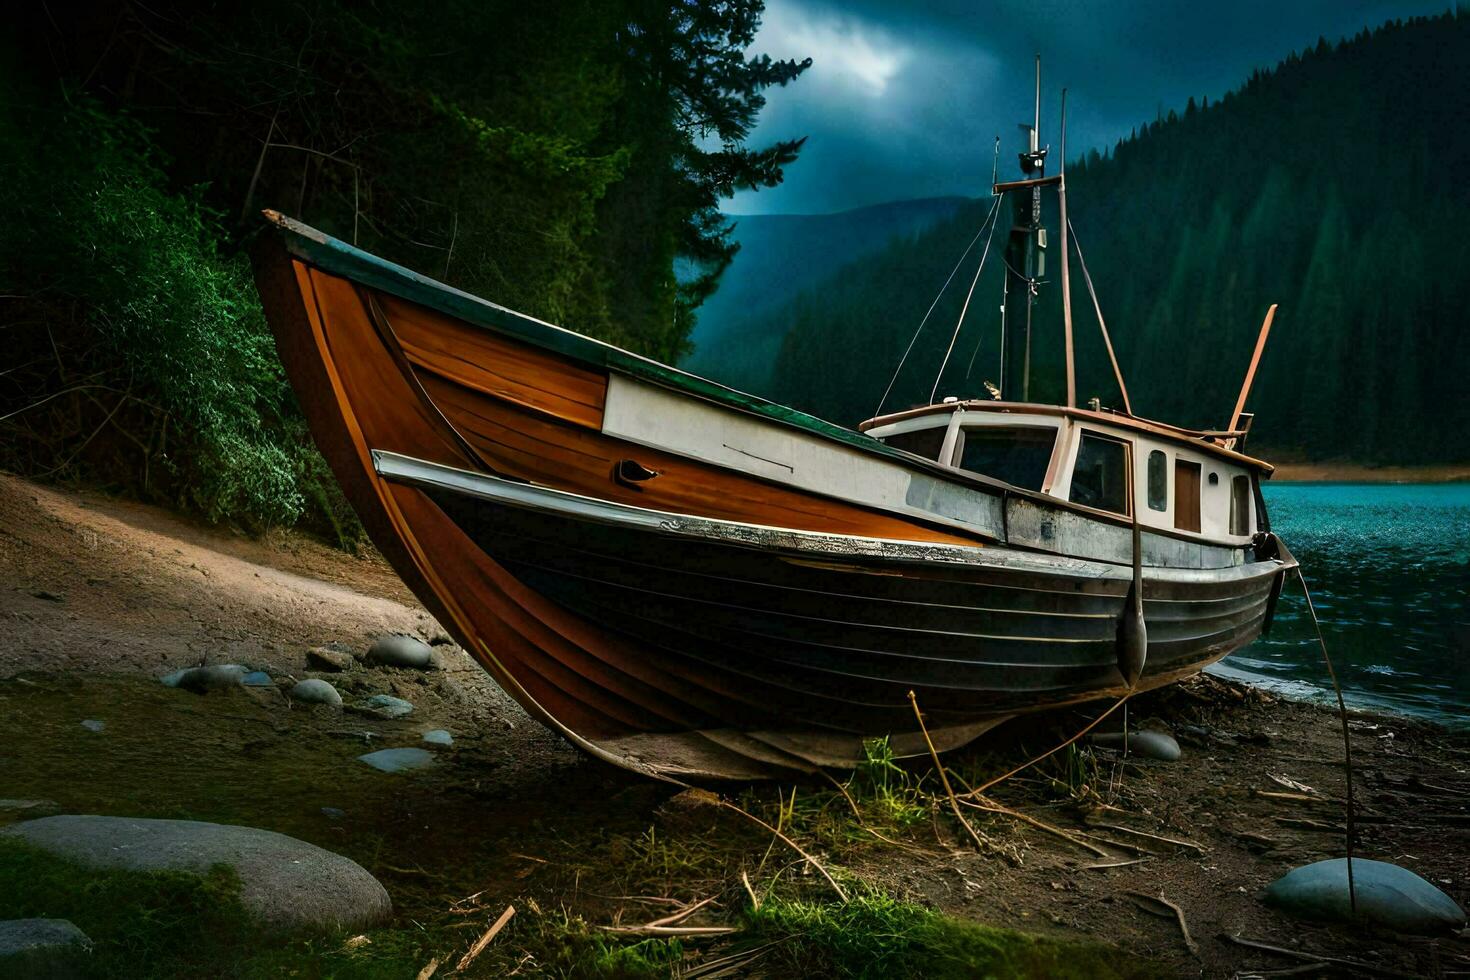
(534, 447)
(571, 673)
(484, 362)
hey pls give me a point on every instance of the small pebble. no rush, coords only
(387, 706)
(325, 658)
(93, 725)
(438, 737)
(316, 691)
(400, 651)
(398, 760)
(201, 680)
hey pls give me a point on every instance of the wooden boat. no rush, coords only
(686, 580)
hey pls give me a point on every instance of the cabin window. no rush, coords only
(1186, 495)
(921, 442)
(1240, 505)
(1019, 455)
(1158, 480)
(1100, 477)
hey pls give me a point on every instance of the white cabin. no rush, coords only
(1177, 481)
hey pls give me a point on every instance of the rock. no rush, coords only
(27, 809)
(398, 760)
(440, 638)
(41, 948)
(400, 651)
(48, 595)
(438, 738)
(325, 658)
(1150, 745)
(314, 691)
(1387, 895)
(287, 884)
(202, 680)
(93, 725)
(385, 706)
(257, 678)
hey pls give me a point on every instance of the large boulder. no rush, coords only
(289, 885)
(1387, 895)
(42, 949)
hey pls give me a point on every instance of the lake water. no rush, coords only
(1389, 569)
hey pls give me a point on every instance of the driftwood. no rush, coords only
(1314, 957)
(484, 940)
(954, 804)
(1143, 833)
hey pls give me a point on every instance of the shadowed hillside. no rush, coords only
(1328, 185)
(781, 255)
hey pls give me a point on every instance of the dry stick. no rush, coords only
(990, 806)
(954, 804)
(1052, 751)
(683, 913)
(1114, 864)
(755, 901)
(652, 930)
(483, 941)
(1178, 917)
(791, 844)
(1144, 833)
(1122, 845)
(1314, 957)
(1347, 746)
(858, 813)
(428, 970)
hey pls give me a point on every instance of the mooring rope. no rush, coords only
(902, 360)
(1347, 747)
(965, 308)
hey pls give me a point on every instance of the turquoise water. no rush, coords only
(1389, 569)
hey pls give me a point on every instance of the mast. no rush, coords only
(1022, 266)
(1066, 281)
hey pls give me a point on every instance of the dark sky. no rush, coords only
(904, 100)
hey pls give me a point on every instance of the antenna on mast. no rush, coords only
(1024, 262)
(1066, 280)
(1036, 116)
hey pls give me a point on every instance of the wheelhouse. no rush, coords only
(1177, 481)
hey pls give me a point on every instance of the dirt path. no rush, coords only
(102, 596)
(97, 586)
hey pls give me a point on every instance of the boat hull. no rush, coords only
(707, 621)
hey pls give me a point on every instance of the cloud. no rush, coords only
(847, 53)
(904, 99)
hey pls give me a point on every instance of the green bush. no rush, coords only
(124, 276)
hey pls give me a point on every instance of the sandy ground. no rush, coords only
(92, 586)
(97, 585)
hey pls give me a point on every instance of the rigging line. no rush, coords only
(1347, 745)
(961, 321)
(891, 381)
(1097, 308)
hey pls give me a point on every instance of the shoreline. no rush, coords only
(1294, 472)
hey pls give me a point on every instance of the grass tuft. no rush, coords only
(875, 936)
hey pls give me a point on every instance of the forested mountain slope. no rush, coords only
(779, 256)
(1332, 185)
